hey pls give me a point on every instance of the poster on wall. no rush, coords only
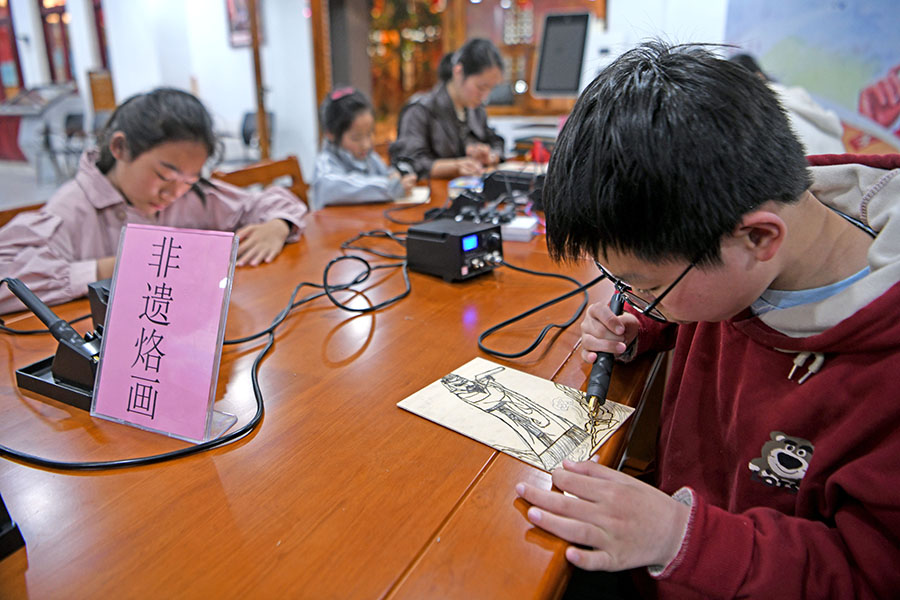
(846, 55)
(239, 22)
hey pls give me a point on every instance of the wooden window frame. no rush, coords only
(44, 13)
(8, 21)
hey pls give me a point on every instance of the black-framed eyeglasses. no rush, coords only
(640, 304)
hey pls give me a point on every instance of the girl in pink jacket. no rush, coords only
(147, 170)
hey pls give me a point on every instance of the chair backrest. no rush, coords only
(265, 172)
(7, 215)
(74, 125)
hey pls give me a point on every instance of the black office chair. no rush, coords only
(74, 125)
(76, 139)
(63, 148)
(249, 134)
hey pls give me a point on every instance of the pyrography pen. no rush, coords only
(58, 327)
(598, 382)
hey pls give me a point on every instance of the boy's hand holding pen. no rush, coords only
(601, 372)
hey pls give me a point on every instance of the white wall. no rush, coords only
(171, 28)
(223, 75)
(630, 22)
(30, 42)
(184, 43)
(289, 73)
(131, 44)
(85, 52)
(676, 21)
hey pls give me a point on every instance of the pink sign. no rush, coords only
(164, 328)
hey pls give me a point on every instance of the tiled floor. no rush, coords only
(19, 185)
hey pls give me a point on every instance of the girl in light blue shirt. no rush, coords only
(348, 170)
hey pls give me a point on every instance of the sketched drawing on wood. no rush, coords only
(528, 417)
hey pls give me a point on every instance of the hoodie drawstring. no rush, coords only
(800, 360)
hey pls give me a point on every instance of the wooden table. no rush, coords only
(338, 493)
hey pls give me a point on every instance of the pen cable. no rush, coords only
(580, 289)
(7, 329)
(352, 244)
(388, 213)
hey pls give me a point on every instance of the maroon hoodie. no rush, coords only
(794, 486)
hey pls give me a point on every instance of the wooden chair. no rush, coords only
(265, 172)
(7, 215)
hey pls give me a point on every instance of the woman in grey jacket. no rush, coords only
(444, 132)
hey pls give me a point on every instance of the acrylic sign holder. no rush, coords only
(164, 329)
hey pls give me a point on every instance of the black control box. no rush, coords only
(514, 184)
(454, 250)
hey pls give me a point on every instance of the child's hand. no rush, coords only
(105, 267)
(469, 166)
(602, 331)
(480, 152)
(625, 522)
(409, 182)
(261, 242)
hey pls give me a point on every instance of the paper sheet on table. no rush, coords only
(522, 167)
(418, 195)
(528, 417)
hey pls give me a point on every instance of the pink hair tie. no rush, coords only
(341, 92)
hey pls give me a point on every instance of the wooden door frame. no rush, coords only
(321, 34)
(15, 52)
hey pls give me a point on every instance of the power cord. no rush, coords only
(581, 288)
(351, 244)
(389, 212)
(203, 446)
(327, 290)
(399, 238)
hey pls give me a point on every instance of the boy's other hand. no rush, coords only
(261, 242)
(624, 522)
(602, 331)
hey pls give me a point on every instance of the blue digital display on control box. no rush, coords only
(470, 242)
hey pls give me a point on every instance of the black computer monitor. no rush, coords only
(561, 55)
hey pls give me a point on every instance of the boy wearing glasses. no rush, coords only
(775, 285)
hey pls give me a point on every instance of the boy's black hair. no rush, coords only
(340, 108)
(663, 154)
(159, 116)
(475, 56)
(749, 63)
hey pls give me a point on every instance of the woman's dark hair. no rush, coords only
(664, 153)
(339, 110)
(475, 56)
(445, 67)
(147, 120)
